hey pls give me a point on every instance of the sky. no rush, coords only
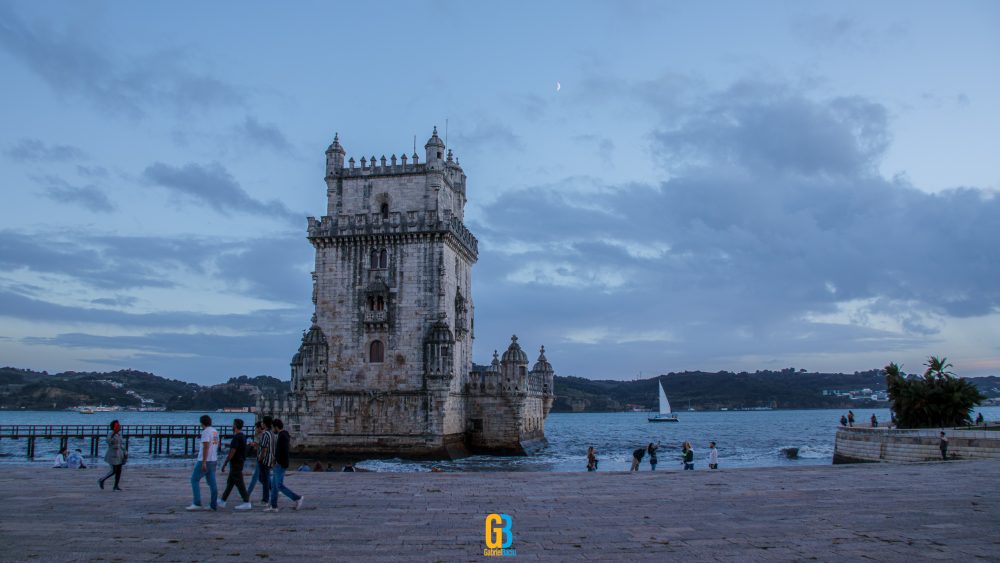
(656, 186)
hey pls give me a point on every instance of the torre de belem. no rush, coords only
(386, 367)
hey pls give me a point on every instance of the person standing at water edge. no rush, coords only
(713, 456)
(591, 459)
(651, 450)
(281, 450)
(843, 420)
(943, 444)
(688, 456)
(208, 456)
(637, 458)
(115, 456)
(850, 418)
(874, 421)
(237, 455)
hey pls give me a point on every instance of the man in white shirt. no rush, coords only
(713, 456)
(208, 456)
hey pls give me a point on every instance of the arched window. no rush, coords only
(521, 371)
(383, 259)
(380, 303)
(385, 210)
(374, 259)
(376, 352)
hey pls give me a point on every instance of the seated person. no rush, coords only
(305, 467)
(75, 460)
(60, 460)
(348, 468)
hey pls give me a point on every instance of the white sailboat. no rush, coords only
(665, 415)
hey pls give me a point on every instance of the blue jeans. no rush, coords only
(688, 466)
(278, 484)
(253, 480)
(264, 475)
(209, 476)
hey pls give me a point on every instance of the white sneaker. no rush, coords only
(221, 503)
(270, 509)
(195, 507)
(298, 503)
(244, 506)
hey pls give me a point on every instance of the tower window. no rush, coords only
(376, 352)
(385, 210)
(383, 259)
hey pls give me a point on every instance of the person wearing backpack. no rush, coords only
(637, 458)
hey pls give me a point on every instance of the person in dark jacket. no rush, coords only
(115, 456)
(265, 458)
(651, 450)
(236, 458)
(282, 446)
(637, 458)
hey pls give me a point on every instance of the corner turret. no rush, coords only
(335, 157)
(435, 151)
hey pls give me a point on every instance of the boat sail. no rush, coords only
(665, 415)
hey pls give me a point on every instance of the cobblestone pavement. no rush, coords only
(877, 512)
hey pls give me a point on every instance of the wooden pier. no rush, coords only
(157, 437)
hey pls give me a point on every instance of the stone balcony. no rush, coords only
(376, 317)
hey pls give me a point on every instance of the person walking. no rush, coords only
(637, 458)
(688, 457)
(713, 456)
(591, 459)
(204, 466)
(265, 458)
(980, 420)
(252, 451)
(282, 446)
(237, 456)
(943, 444)
(651, 450)
(850, 418)
(116, 456)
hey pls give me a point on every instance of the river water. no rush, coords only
(744, 439)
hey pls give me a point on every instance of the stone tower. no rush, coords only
(386, 366)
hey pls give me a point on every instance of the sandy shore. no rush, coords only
(858, 512)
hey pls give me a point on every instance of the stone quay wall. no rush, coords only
(873, 445)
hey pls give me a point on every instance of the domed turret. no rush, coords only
(435, 150)
(542, 365)
(334, 156)
(514, 353)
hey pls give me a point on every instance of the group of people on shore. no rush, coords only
(687, 457)
(848, 420)
(66, 460)
(268, 451)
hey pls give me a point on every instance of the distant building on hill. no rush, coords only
(386, 365)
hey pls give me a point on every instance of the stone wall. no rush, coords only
(872, 445)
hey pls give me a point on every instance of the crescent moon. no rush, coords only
(558, 86)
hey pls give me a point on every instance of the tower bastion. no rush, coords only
(386, 366)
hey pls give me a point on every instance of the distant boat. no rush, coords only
(85, 410)
(665, 414)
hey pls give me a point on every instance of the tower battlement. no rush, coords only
(386, 365)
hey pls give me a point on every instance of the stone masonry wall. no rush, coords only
(864, 445)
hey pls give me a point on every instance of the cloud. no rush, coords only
(773, 219)
(265, 135)
(37, 151)
(89, 197)
(114, 83)
(121, 301)
(486, 135)
(213, 185)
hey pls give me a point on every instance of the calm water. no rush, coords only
(744, 439)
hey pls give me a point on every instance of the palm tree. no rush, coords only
(939, 399)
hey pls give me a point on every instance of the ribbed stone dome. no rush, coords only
(543, 363)
(514, 353)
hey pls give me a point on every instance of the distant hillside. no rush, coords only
(786, 389)
(27, 389)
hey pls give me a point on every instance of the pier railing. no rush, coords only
(157, 437)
